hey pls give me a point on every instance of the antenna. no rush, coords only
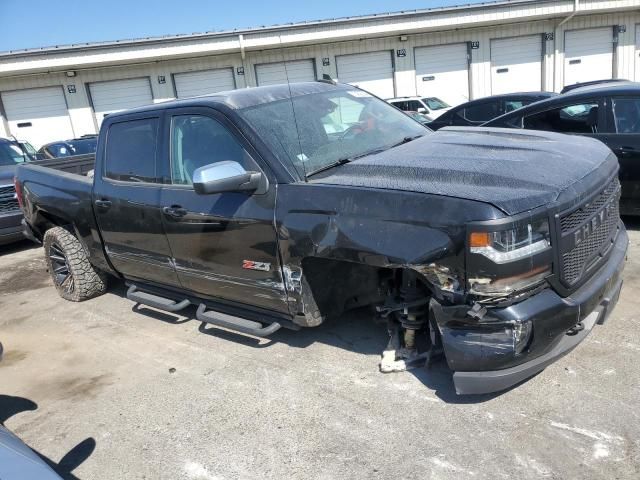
(293, 109)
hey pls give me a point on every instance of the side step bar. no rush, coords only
(235, 323)
(155, 301)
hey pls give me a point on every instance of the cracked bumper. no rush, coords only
(484, 362)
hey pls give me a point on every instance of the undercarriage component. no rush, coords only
(407, 316)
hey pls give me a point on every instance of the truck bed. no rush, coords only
(78, 164)
(57, 191)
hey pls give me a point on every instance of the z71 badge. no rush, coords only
(251, 265)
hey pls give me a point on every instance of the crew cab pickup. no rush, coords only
(286, 205)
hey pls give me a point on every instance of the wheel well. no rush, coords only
(337, 285)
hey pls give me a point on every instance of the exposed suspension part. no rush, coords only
(407, 315)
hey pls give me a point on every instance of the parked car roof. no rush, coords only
(509, 95)
(570, 88)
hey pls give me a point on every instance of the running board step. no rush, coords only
(155, 301)
(235, 323)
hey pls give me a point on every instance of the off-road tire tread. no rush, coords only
(89, 282)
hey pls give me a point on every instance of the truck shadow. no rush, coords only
(10, 406)
(17, 247)
(355, 331)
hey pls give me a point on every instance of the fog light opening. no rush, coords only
(521, 335)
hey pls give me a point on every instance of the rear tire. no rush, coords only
(73, 275)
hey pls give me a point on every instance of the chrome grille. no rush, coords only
(577, 260)
(8, 200)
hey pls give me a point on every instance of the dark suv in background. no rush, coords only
(477, 112)
(68, 148)
(609, 112)
(12, 153)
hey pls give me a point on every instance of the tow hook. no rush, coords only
(578, 327)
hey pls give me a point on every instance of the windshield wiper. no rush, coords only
(337, 163)
(404, 140)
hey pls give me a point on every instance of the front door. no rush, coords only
(127, 200)
(224, 245)
(623, 137)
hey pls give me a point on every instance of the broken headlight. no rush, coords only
(509, 258)
(513, 244)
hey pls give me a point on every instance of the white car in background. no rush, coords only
(432, 107)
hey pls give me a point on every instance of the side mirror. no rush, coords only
(422, 110)
(225, 176)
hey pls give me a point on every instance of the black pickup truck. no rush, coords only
(283, 206)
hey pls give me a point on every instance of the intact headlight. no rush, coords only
(506, 246)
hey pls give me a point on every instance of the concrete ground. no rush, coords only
(107, 392)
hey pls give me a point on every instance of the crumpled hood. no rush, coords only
(514, 170)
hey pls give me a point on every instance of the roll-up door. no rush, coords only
(371, 71)
(588, 55)
(205, 82)
(516, 64)
(443, 71)
(38, 115)
(281, 72)
(118, 95)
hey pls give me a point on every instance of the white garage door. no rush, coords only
(443, 71)
(294, 71)
(637, 53)
(516, 64)
(38, 115)
(370, 71)
(118, 95)
(205, 82)
(588, 55)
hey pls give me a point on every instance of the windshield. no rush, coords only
(333, 127)
(435, 103)
(12, 154)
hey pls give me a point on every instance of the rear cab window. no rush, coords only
(131, 151)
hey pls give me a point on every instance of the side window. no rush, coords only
(626, 114)
(482, 112)
(131, 151)
(401, 105)
(197, 141)
(511, 105)
(414, 105)
(577, 118)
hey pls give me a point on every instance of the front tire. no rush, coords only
(73, 275)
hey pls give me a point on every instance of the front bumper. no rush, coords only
(483, 361)
(11, 228)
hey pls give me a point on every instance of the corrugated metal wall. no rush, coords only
(370, 38)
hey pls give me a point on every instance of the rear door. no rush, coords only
(623, 137)
(127, 199)
(224, 245)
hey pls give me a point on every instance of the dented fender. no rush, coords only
(375, 228)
